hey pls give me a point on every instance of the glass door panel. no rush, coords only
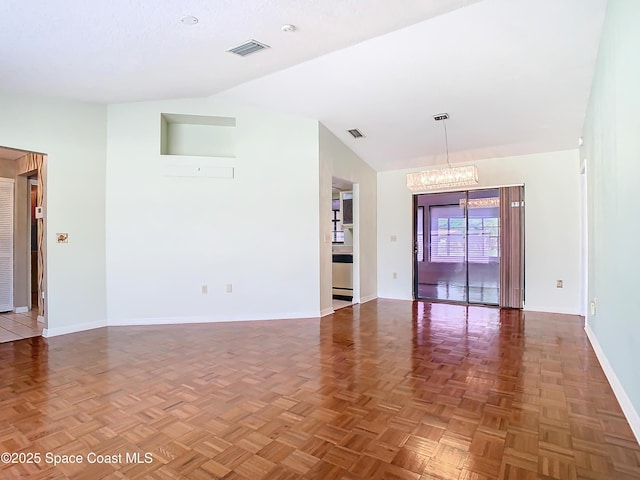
(483, 244)
(440, 253)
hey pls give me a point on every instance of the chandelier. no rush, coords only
(443, 177)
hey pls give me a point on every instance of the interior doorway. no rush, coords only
(345, 279)
(33, 242)
(27, 317)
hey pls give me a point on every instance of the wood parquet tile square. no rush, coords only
(385, 390)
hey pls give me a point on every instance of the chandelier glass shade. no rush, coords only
(442, 178)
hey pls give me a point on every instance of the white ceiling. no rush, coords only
(514, 75)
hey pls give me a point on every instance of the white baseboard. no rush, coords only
(544, 309)
(21, 309)
(127, 322)
(326, 311)
(123, 322)
(625, 403)
(394, 297)
(54, 332)
(368, 298)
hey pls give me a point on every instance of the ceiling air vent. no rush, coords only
(355, 133)
(247, 48)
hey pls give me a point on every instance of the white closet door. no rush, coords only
(6, 244)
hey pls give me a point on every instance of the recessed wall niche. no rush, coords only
(197, 135)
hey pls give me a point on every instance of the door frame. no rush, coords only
(415, 278)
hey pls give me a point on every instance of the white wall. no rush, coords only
(325, 227)
(168, 236)
(345, 164)
(612, 150)
(72, 134)
(552, 227)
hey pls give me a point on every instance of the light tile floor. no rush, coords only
(16, 326)
(338, 304)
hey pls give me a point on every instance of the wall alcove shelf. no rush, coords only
(197, 145)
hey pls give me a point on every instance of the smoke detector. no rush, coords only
(188, 20)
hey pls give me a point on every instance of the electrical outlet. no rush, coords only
(205, 289)
(592, 307)
(229, 288)
(559, 284)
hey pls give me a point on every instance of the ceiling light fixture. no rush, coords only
(288, 28)
(188, 20)
(442, 177)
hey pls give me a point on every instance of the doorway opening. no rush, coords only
(25, 314)
(33, 242)
(345, 286)
(584, 225)
(468, 247)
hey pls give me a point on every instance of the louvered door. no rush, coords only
(6, 244)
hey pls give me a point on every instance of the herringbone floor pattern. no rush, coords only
(386, 390)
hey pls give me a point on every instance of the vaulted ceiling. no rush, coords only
(514, 75)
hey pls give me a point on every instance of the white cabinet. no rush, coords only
(346, 208)
(342, 277)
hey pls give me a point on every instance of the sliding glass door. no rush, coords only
(483, 246)
(457, 247)
(441, 260)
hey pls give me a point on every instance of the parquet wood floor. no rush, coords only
(386, 390)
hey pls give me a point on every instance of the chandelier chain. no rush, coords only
(446, 141)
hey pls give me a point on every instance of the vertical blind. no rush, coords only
(512, 247)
